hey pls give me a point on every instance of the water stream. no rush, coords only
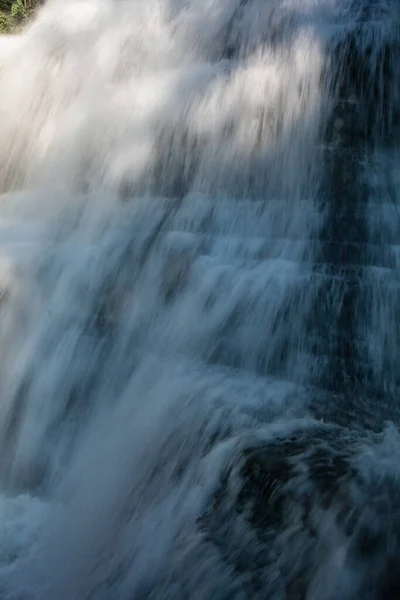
(199, 298)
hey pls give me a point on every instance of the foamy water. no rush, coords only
(199, 269)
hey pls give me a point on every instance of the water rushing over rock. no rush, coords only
(200, 295)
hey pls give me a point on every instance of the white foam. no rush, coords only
(120, 120)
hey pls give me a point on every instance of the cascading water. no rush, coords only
(200, 295)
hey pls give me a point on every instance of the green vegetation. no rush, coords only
(14, 14)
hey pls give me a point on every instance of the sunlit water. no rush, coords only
(200, 295)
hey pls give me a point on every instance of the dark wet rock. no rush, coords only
(290, 503)
(265, 473)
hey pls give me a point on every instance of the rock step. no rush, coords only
(337, 343)
(282, 269)
(244, 217)
(289, 219)
(290, 356)
(267, 294)
(234, 247)
(342, 375)
(278, 218)
(354, 410)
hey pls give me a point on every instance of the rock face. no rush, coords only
(284, 507)
(363, 125)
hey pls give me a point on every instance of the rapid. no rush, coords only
(200, 301)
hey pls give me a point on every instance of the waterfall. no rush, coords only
(200, 301)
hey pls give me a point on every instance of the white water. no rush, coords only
(175, 291)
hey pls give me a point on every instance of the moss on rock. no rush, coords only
(14, 14)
